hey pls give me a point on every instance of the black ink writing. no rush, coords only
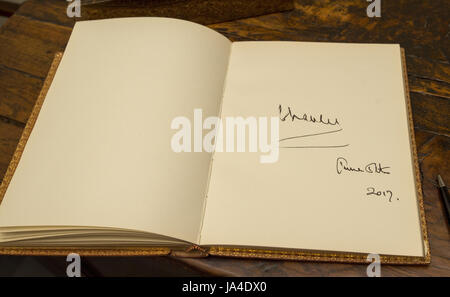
(371, 191)
(343, 165)
(320, 119)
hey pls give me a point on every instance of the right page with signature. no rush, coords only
(344, 178)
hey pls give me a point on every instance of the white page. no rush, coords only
(301, 201)
(100, 153)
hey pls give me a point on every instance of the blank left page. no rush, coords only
(100, 152)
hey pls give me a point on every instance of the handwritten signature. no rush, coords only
(320, 119)
(343, 165)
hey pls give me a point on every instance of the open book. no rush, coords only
(116, 159)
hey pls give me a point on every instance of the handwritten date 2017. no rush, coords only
(371, 191)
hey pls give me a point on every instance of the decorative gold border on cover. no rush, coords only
(350, 257)
(316, 256)
(423, 220)
(86, 252)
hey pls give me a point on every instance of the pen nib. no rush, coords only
(440, 181)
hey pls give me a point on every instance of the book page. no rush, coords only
(100, 153)
(343, 180)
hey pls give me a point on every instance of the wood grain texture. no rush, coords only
(19, 91)
(8, 8)
(200, 11)
(29, 46)
(40, 28)
(10, 133)
(49, 11)
(431, 113)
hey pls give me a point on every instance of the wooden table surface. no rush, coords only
(40, 28)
